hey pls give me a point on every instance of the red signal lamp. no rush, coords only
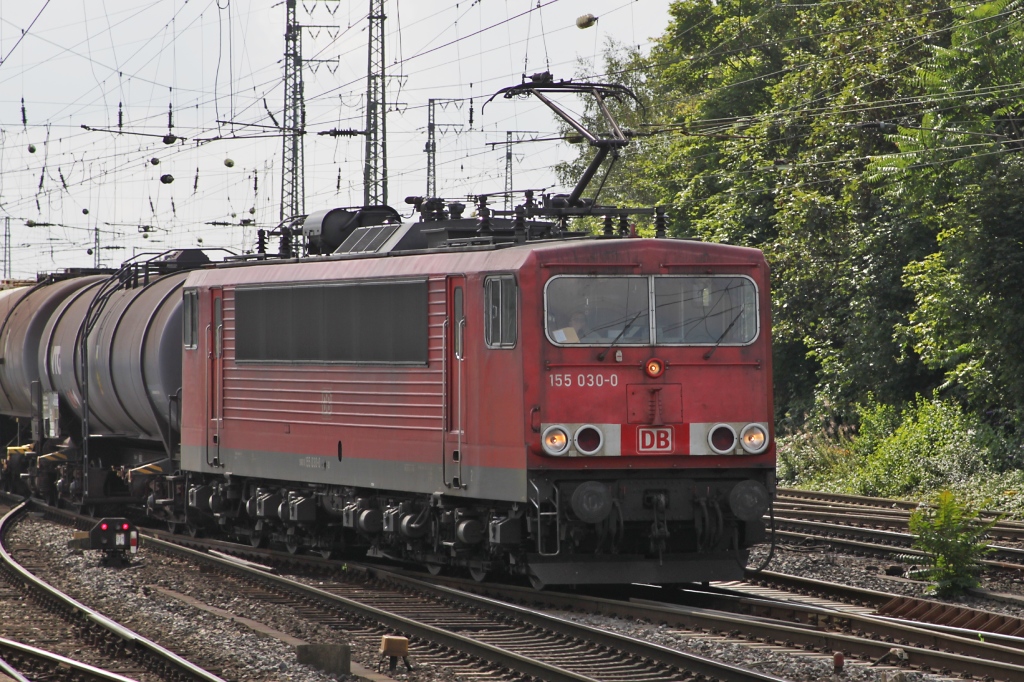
(654, 368)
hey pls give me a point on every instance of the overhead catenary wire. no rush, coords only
(249, 88)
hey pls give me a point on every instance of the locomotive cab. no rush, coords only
(652, 443)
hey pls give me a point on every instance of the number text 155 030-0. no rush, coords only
(584, 380)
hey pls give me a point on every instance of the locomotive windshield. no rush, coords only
(658, 310)
(596, 310)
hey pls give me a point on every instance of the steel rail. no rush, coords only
(976, 623)
(70, 666)
(695, 618)
(757, 616)
(878, 503)
(510, 659)
(630, 645)
(887, 540)
(72, 606)
(979, 644)
(806, 634)
(860, 500)
(889, 516)
(919, 656)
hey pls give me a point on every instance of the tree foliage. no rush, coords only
(870, 148)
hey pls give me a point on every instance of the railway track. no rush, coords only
(858, 633)
(40, 617)
(470, 632)
(866, 528)
(23, 663)
(879, 512)
(447, 627)
(853, 626)
(467, 635)
(953, 617)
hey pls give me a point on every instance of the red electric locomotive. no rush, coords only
(578, 411)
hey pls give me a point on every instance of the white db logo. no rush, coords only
(654, 439)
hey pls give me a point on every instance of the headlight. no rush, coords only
(754, 438)
(589, 439)
(555, 440)
(722, 439)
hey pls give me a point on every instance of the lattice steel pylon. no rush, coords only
(7, 248)
(431, 146)
(293, 183)
(508, 170)
(375, 165)
(431, 150)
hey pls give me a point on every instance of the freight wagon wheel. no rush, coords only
(192, 529)
(434, 569)
(257, 539)
(292, 544)
(173, 527)
(327, 552)
(536, 582)
(478, 573)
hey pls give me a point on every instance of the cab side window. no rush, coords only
(190, 319)
(501, 315)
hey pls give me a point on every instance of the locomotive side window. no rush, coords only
(668, 310)
(501, 316)
(190, 319)
(705, 310)
(367, 322)
(460, 321)
(598, 310)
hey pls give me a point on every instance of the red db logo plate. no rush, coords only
(655, 440)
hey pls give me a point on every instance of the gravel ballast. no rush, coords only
(135, 596)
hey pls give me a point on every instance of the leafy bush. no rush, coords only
(954, 540)
(912, 453)
(935, 446)
(812, 460)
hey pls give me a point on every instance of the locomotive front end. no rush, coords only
(652, 453)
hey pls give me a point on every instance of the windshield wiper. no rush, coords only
(711, 351)
(600, 356)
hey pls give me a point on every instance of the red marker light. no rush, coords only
(125, 526)
(654, 368)
(103, 526)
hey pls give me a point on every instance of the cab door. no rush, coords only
(455, 382)
(215, 377)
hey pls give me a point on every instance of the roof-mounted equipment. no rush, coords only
(541, 84)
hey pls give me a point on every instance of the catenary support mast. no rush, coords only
(375, 164)
(293, 190)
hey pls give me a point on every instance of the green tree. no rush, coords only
(767, 117)
(959, 170)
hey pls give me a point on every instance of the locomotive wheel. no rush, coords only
(536, 582)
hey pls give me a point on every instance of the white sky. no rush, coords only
(212, 61)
